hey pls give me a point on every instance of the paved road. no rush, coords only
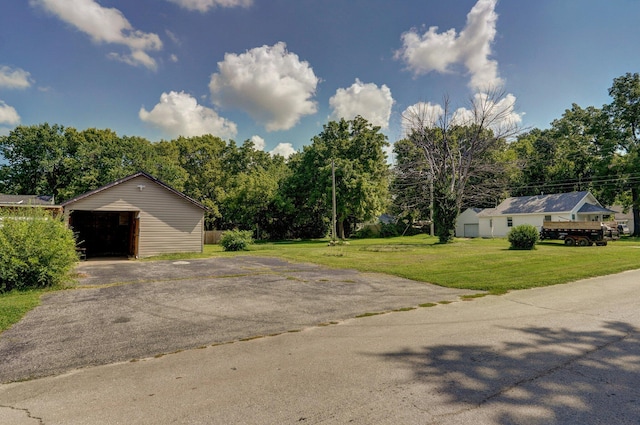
(129, 310)
(567, 354)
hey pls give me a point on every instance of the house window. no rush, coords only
(547, 218)
(509, 221)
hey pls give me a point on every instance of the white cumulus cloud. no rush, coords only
(439, 51)
(496, 113)
(106, 25)
(14, 78)
(204, 5)
(499, 113)
(179, 114)
(258, 143)
(424, 112)
(8, 114)
(271, 84)
(367, 100)
(283, 149)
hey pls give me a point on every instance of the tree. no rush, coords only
(252, 185)
(624, 111)
(102, 157)
(411, 197)
(575, 154)
(202, 159)
(362, 178)
(167, 165)
(458, 149)
(40, 160)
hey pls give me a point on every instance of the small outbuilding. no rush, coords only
(136, 216)
(468, 223)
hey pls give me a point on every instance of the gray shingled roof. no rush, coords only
(25, 199)
(592, 209)
(556, 203)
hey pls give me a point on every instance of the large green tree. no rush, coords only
(410, 191)
(575, 154)
(202, 159)
(103, 156)
(40, 159)
(356, 148)
(251, 187)
(624, 111)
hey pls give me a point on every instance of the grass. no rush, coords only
(14, 305)
(477, 264)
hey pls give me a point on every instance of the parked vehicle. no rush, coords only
(580, 233)
(623, 229)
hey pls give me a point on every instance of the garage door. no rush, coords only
(471, 231)
(106, 233)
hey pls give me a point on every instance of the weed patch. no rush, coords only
(359, 316)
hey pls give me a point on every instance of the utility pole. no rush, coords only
(333, 190)
(431, 226)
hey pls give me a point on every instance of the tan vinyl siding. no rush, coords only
(168, 222)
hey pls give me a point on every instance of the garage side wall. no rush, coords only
(168, 222)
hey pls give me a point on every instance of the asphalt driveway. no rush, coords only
(128, 310)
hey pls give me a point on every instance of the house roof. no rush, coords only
(593, 209)
(23, 200)
(133, 176)
(555, 203)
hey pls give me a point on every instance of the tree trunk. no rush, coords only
(445, 212)
(636, 210)
(341, 229)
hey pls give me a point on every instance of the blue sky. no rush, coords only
(277, 70)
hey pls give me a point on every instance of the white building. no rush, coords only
(534, 210)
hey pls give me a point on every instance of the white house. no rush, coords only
(534, 210)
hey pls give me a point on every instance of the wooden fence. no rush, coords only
(212, 237)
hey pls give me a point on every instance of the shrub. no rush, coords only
(236, 240)
(524, 236)
(389, 230)
(37, 250)
(368, 231)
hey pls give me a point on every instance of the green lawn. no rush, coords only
(16, 304)
(484, 264)
(481, 264)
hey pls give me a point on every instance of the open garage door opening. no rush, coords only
(106, 233)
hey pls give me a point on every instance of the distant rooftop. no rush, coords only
(18, 200)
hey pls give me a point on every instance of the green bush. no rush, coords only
(368, 231)
(37, 250)
(524, 236)
(236, 240)
(389, 230)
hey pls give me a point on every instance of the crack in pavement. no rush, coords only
(26, 411)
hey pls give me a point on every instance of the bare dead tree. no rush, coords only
(458, 147)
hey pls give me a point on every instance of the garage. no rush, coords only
(471, 230)
(467, 223)
(137, 216)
